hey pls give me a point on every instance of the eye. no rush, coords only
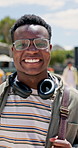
(18, 45)
(41, 43)
(21, 44)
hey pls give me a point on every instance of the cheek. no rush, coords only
(16, 57)
(48, 60)
(46, 57)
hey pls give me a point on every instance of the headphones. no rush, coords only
(45, 88)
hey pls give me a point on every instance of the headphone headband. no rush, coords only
(45, 87)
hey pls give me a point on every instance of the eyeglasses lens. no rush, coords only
(41, 43)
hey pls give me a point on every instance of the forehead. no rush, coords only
(29, 30)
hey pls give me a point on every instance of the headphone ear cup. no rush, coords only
(46, 88)
(20, 89)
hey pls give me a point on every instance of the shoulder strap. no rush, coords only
(4, 95)
(4, 99)
(64, 114)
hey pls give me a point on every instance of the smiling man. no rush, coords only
(29, 55)
(31, 97)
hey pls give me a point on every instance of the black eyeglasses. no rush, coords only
(39, 43)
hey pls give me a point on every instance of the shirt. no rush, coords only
(24, 122)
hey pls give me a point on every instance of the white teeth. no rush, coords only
(32, 60)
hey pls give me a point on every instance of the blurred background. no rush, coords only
(62, 15)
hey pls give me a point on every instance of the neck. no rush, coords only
(31, 80)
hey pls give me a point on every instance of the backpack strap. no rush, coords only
(64, 114)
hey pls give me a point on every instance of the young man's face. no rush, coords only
(31, 60)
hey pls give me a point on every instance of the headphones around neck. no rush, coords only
(45, 88)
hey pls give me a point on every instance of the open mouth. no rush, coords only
(32, 60)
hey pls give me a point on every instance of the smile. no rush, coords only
(32, 60)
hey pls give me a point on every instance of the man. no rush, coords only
(31, 99)
(70, 75)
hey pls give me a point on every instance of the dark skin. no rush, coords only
(31, 64)
(31, 73)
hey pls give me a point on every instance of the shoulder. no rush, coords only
(73, 98)
(73, 94)
(73, 105)
(3, 86)
(74, 68)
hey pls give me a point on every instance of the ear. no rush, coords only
(50, 47)
(12, 48)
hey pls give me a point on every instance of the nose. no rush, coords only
(32, 47)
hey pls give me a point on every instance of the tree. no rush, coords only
(5, 25)
(59, 56)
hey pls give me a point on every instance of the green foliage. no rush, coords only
(5, 25)
(59, 56)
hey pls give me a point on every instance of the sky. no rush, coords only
(62, 15)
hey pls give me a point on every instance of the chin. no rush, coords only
(32, 74)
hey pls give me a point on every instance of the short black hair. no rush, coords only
(69, 62)
(30, 19)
